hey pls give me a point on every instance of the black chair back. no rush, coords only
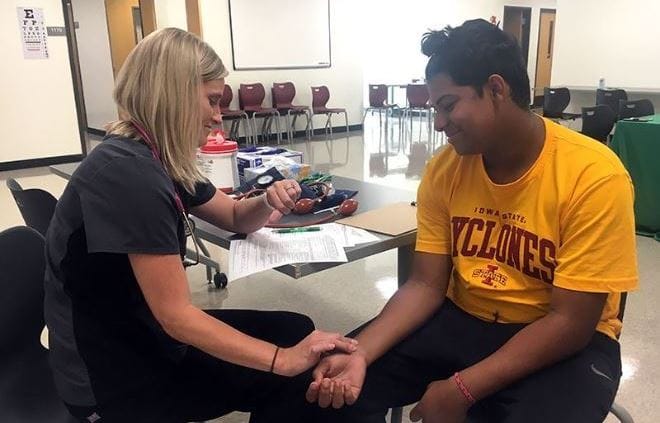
(555, 101)
(27, 390)
(36, 206)
(21, 288)
(597, 122)
(611, 97)
(637, 108)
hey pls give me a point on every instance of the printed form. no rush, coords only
(266, 249)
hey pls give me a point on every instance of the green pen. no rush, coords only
(296, 230)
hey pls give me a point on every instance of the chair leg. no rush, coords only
(328, 125)
(277, 118)
(364, 117)
(429, 129)
(255, 134)
(246, 124)
(328, 135)
(264, 121)
(292, 126)
(347, 136)
(309, 129)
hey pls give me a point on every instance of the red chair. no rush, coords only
(417, 96)
(320, 97)
(283, 94)
(234, 116)
(251, 98)
(378, 94)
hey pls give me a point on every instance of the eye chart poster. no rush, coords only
(33, 32)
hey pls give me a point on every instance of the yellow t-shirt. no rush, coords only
(567, 222)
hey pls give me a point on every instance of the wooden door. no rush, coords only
(545, 51)
(121, 30)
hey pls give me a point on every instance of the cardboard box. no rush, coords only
(297, 171)
(260, 157)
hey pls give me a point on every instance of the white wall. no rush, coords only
(95, 61)
(343, 78)
(171, 13)
(607, 39)
(37, 107)
(392, 53)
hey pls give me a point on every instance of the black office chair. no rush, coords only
(555, 101)
(611, 97)
(27, 390)
(597, 122)
(36, 206)
(637, 108)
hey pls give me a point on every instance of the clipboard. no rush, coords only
(393, 219)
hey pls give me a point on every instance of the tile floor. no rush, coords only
(343, 297)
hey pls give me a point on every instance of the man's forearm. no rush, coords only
(412, 305)
(541, 344)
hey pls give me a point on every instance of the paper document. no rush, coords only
(266, 249)
(348, 236)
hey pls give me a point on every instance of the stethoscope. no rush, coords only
(189, 226)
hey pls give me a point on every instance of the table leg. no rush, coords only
(404, 262)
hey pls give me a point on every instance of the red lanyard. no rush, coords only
(156, 155)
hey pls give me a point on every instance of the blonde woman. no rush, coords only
(127, 344)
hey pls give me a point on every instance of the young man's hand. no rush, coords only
(338, 380)
(443, 402)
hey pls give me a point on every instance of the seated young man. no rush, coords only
(525, 243)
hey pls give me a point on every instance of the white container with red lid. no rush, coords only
(217, 162)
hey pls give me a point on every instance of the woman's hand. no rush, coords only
(302, 356)
(282, 195)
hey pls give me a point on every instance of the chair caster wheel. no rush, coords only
(220, 280)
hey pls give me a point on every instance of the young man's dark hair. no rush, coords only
(472, 52)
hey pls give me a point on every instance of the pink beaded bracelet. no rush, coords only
(463, 388)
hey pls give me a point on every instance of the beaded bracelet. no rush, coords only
(463, 388)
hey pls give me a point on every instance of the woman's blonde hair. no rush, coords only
(158, 88)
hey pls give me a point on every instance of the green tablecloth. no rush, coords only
(638, 146)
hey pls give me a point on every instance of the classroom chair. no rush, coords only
(597, 122)
(320, 98)
(251, 98)
(610, 97)
(378, 94)
(555, 101)
(283, 94)
(417, 96)
(36, 206)
(27, 391)
(234, 116)
(636, 108)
